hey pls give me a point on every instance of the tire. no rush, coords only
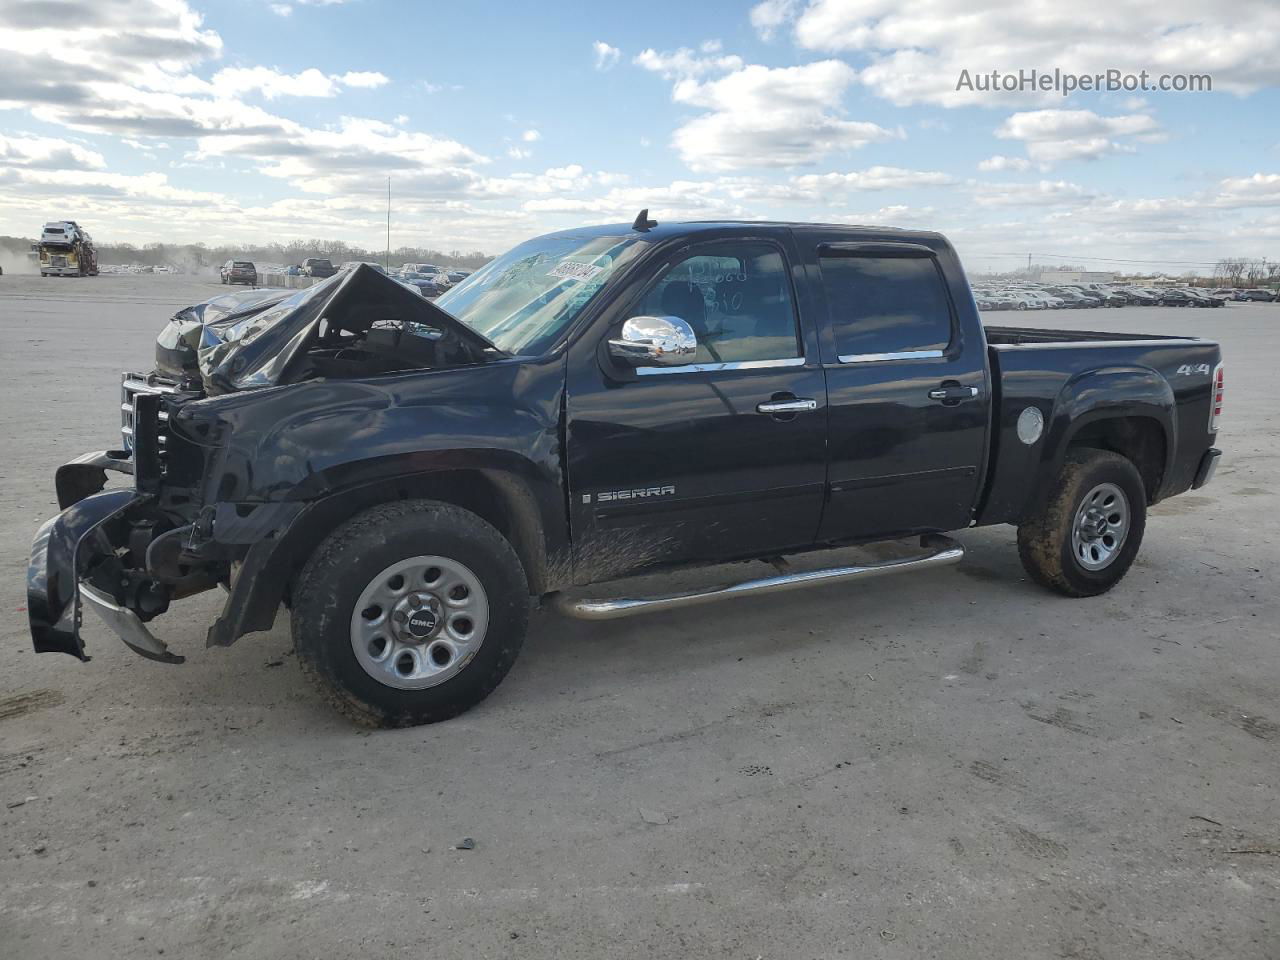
(356, 559)
(1050, 552)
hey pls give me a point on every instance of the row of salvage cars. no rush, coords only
(1086, 296)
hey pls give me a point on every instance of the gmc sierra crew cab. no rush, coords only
(405, 475)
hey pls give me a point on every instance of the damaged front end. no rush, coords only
(129, 552)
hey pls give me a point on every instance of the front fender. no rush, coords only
(59, 556)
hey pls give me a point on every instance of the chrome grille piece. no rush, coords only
(132, 384)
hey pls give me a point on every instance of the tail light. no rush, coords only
(1216, 408)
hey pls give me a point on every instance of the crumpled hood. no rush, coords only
(259, 338)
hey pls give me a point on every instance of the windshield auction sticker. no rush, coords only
(574, 270)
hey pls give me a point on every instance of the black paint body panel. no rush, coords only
(577, 446)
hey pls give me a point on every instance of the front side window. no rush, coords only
(886, 305)
(736, 296)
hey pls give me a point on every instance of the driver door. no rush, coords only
(688, 463)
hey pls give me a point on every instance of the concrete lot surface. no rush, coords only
(954, 765)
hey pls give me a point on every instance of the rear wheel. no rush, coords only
(1090, 529)
(410, 613)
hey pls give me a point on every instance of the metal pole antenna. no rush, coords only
(387, 264)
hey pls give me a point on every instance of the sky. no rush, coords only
(245, 121)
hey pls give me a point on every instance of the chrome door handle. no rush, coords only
(953, 393)
(798, 405)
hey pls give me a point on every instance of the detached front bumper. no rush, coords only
(125, 555)
(57, 563)
(75, 545)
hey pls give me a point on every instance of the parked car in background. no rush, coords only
(1050, 301)
(1136, 297)
(457, 276)
(1202, 298)
(1259, 296)
(421, 268)
(1174, 297)
(319, 267)
(1073, 298)
(427, 284)
(239, 271)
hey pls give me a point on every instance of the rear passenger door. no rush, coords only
(907, 396)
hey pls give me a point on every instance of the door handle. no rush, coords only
(953, 393)
(798, 405)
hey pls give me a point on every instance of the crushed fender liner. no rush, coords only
(87, 474)
(253, 600)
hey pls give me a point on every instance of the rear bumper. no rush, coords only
(1208, 466)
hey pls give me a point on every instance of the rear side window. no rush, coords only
(884, 306)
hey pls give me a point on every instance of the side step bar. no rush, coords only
(943, 552)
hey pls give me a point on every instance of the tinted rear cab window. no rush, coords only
(886, 305)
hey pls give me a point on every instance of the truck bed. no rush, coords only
(1021, 336)
(1073, 376)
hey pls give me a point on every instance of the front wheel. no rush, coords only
(1089, 530)
(409, 613)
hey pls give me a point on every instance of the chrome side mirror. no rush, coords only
(654, 342)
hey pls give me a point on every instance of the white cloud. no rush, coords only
(1001, 162)
(1259, 190)
(918, 48)
(531, 136)
(365, 79)
(47, 153)
(876, 178)
(519, 153)
(353, 158)
(761, 116)
(280, 9)
(238, 81)
(1041, 193)
(1055, 136)
(606, 56)
(771, 15)
(685, 64)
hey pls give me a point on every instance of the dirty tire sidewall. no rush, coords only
(1044, 541)
(326, 591)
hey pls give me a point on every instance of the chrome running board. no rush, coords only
(944, 552)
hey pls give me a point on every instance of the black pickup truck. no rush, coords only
(405, 475)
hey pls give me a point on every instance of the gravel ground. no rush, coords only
(955, 764)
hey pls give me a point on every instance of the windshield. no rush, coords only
(523, 300)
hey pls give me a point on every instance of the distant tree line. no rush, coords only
(196, 255)
(1243, 272)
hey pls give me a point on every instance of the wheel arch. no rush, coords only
(501, 497)
(1129, 410)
